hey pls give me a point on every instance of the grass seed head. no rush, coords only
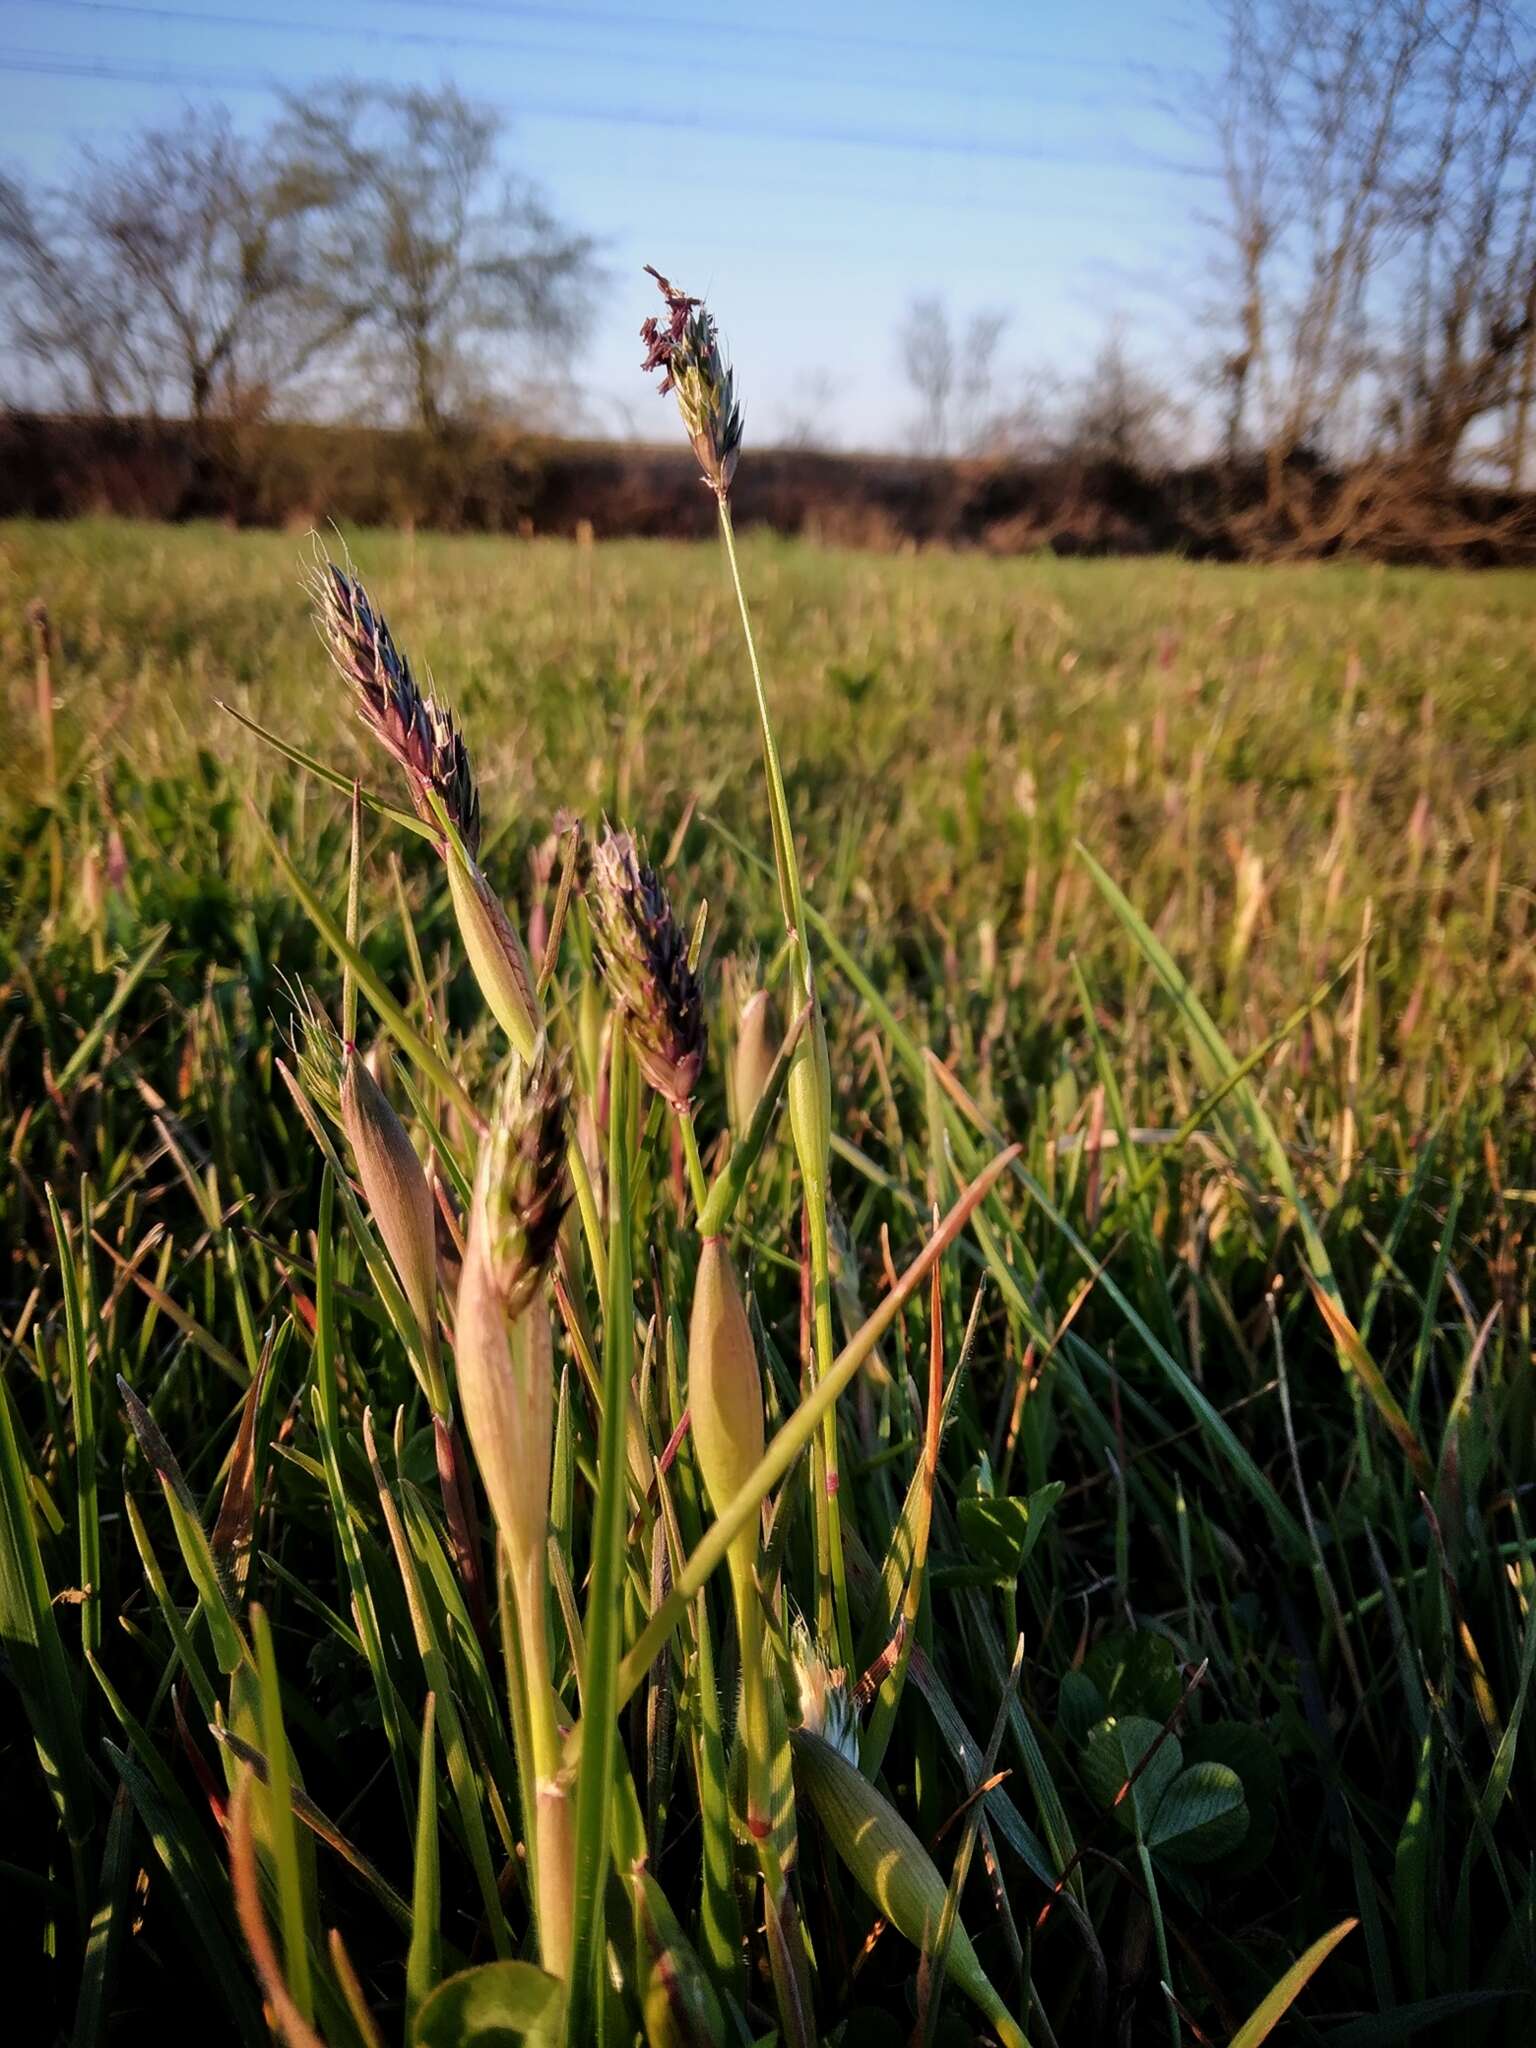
(503, 1340)
(644, 955)
(521, 1187)
(826, 1704)
(417, 729)
(318, 1052)
(395, 1187)
(757, 1047)
(497, 955)
(685, 347)
(891, 1866)
(725, 1388)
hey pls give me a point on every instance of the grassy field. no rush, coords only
(1210, 888)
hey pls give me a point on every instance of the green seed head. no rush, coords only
(826, 1705)
(318, 1053)
(395, 1188)
(891, 1866)
(497, 956)
(757, 1047)
(725, 1389)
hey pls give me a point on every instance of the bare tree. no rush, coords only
(953, 374)
(1378, 236)
(172, 277)
(976, 411)
(212, 251)
(64, 307)
(431, 255)
(1470, 208)
(928, 361)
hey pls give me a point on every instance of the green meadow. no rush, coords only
(1166, 1547)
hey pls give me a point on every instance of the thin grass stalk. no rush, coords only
(599, 1753)
(810, 1108)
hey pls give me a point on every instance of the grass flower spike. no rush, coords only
(417, 729)
(504, 1347)
(685, 347)
(421, 735)
(826, 1705)
(396, 1190)
(506, 1391)
(644, 955)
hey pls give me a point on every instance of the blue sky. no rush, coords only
(807, 166)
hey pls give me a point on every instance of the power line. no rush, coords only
(708, 29)
(672, 121)
(438, 39)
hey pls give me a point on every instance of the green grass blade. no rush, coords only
(333, 777)
(406, 1036)
(230, 1651)
(605, 1602)
(280, 1828)
(217, 1956)
(1219, 1062)
(104, 1942)
(34, 1652)
(111, 1010)
(83, 1413)
(461, 1768)
(795, 1435)
(424, 1958)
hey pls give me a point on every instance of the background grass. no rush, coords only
(1274, 765)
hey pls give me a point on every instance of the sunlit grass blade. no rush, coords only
(461, 1770)
(1274, 2006)
(406, 1035)
(279, 1821)
(1219, 1063)
(312, 765)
